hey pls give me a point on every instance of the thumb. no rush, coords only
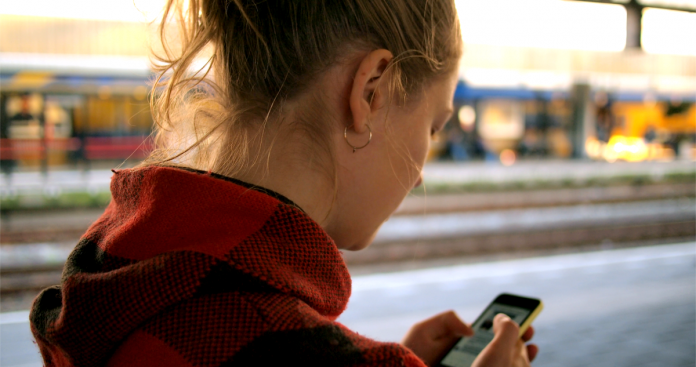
(506, 332)
(500, 351)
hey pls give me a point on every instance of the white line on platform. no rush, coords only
(513, 267)
(17, 317)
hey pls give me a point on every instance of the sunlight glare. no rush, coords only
(112, 10)
(544, 23)
(669, 32)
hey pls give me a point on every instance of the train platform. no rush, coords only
(55, 182)
(613, 308)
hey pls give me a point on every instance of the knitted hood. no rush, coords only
(168, 235)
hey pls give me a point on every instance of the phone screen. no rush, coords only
(467, 348)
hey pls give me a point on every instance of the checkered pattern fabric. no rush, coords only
(188, 268)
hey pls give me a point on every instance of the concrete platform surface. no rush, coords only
(614, 308)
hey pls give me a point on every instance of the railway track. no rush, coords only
(61, 225)
(474, 225)
(17, 281)
(616, 234)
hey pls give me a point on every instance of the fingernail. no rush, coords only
(503, 317)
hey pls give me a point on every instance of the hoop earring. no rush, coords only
(345, 136)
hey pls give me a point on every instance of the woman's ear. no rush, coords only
(367, 93)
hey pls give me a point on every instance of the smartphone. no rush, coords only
(520, 309)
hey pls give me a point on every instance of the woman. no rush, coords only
(304, 131)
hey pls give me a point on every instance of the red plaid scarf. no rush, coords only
(186, 268)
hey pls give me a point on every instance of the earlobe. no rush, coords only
(366, 93)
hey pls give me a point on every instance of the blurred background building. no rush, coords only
(573, 147)
(539, 78)
(597, 80)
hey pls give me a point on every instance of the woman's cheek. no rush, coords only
(422, 153)
(418, 154)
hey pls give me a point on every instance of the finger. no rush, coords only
(532, 351)
(444, 325)
(528, 334)
(454, 325)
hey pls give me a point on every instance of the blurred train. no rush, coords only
(580, 121)
(71, 111)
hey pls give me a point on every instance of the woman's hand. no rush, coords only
(507, 349)
(432, 338)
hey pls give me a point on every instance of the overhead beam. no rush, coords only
(634, 19)
(665, 7)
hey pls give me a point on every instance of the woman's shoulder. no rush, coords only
(253, 328)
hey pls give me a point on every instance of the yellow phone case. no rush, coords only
(530, 319)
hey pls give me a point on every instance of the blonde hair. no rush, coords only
(262, 53)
